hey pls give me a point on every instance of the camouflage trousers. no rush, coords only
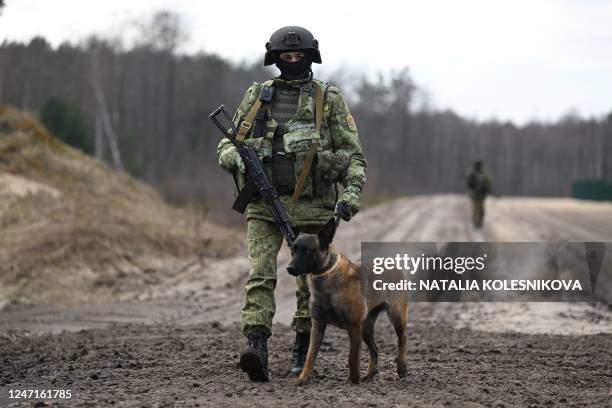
(264, 241)
(478, 210)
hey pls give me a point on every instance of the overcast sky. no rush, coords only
(517, 60)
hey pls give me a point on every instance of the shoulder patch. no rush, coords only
(351, 122)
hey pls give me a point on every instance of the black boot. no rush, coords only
(298, 354)
(254, 360)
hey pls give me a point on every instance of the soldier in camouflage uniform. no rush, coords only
(302, 114)
(479, 186)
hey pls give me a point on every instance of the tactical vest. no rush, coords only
(284, 105)
(478, 183)
(307, 153)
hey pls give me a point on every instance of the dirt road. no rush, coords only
(172, 337)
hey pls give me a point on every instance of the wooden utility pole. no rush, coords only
(103, 119)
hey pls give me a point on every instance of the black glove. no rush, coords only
(343, 211)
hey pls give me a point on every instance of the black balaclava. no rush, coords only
(295, 70)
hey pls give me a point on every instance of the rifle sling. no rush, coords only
(247, 123)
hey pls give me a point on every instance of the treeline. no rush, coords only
(146, 108)
(419, 149)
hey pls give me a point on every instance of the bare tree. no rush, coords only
(164, 32)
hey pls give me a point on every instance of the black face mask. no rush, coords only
(295, 70)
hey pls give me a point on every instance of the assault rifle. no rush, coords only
(257, 178)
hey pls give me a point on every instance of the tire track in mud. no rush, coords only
(417, 221)
(447, 221)
(560, 221)
(531, 220)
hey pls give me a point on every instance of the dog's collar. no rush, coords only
(330, 269)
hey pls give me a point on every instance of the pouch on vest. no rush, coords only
(297, 142)
(282, 166)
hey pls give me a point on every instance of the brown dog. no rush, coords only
(340, 294)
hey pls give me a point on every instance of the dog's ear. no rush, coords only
(326, 235)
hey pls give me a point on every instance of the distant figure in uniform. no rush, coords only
(479, 185)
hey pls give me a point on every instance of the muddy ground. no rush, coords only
(195, 365)
(172, 338)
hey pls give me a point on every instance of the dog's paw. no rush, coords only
(402, 371)
(403, 380)
(302, 380)
(353, 380)
(370, 376)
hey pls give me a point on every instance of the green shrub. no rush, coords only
(66, 122)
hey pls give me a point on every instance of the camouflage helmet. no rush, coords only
(291, 38)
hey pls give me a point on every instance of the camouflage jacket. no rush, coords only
(478, 183)
(339, 156)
